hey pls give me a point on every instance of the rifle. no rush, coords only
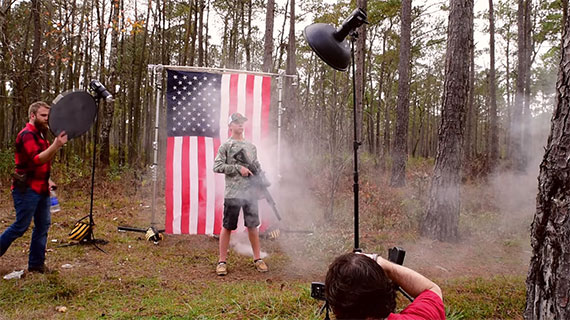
(258, 179)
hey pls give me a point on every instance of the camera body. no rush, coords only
(395, 255)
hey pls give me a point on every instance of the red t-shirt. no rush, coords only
(427, 306)
(29, 144)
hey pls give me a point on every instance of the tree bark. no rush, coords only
(517, 157)
(35, 75)
(291, 69)
(493, 129)
(109, 107)
(268, 39)
(400, 149)
(442, 217)
(548, 281)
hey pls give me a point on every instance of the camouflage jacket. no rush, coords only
(237, 186)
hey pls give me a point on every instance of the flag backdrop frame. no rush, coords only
(156, 73)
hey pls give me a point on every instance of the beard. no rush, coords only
(41, 126)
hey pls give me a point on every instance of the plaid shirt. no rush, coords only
(29, 144)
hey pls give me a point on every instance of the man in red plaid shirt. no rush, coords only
(31, 185)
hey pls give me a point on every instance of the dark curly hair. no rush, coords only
(356, 287)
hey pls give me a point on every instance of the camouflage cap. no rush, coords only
(236, 117)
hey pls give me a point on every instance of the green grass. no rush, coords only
(175, 280)
(152, 298)
(500, 297)
(133, 298)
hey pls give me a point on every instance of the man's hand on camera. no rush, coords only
(244, 171)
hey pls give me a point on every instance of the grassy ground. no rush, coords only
(482, 276)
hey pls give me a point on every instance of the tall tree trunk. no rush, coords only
(246, 34)
(201, 44)
(548, 277)
(470, 137)
(268, 39)
(400, 149)
(517, 156)
(290, 89)
(282, 46)
(508, 92)
(493, 130)
(187, 35)
(35, 74)
(109, 107)
(442, 217)
(528, 51)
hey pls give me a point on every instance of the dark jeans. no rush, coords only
(29, 205)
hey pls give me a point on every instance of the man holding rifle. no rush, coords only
(239, 193)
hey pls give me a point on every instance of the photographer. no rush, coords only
(360, 286)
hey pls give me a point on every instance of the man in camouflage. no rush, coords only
(238, 194)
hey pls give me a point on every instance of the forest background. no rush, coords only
(506, 119)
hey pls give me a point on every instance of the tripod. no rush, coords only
(83, 232)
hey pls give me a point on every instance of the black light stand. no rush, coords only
(330, 45)
(90, 237)
(99, 92)
(355, 145)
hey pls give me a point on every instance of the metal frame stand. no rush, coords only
(157, 79)
(155, 233)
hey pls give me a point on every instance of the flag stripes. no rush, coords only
(194, 193)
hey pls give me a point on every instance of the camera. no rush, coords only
(395, 255)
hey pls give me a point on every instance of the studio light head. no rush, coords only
(330, 44)
(100, 90)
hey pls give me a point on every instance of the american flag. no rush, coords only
(198, 108)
